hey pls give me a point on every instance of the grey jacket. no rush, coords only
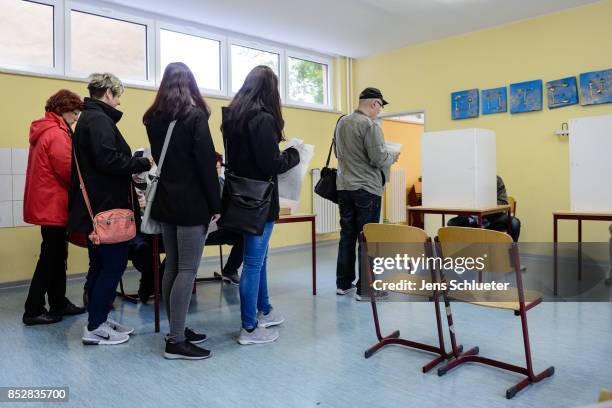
(363, 159)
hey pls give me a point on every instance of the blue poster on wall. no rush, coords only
(562, 92)
(526, 96)
(596, 87)
(494, 101)
(464, 104)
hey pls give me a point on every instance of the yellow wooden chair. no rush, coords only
(502, 256)
(387, 240)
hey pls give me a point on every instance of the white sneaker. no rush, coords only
(269, 320)
(118, 327)
(103, 335)
(260, 335)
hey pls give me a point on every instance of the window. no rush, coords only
(102, 44)
(307, 81)
(202, 55)
(27, 34)
(244, 59)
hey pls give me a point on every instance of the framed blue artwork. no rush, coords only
(596, 87)
(464, 104)
(494, 101)
(526, 96)
(562, 92)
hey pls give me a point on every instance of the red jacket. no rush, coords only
(45, 200)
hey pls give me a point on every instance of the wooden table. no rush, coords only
(284, 219)
(578, 216)
(477, 212)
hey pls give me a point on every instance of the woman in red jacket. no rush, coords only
(45, 203)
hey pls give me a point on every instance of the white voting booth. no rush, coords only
(459, 169)
(590, 142)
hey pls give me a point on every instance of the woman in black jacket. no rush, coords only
(106, 164)
(187, 196)
(252, 128)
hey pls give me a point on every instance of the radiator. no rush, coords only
(395, 196)
(327, 212)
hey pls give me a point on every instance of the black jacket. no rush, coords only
(188, 190)
(106, 163)
(253, 152)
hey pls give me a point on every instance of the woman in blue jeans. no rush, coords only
(252, 128)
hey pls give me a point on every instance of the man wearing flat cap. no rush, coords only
(363, 167)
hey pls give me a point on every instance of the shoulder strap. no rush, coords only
(165, 148)
(82, 187)
(333, 142)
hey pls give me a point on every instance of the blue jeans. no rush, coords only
(357, 208)
(107, 263)
(253, 281)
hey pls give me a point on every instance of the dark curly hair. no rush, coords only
(64, 101)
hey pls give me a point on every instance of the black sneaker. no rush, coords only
(232, 279)
(69, 310)
(43, 318)
(193, 337)
(185, 351)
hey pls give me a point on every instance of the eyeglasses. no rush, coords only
(380, 104)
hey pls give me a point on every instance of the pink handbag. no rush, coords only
(110, 226)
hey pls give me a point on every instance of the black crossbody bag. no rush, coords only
(245, 202)
(326, 186)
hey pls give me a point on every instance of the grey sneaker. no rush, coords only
(365, 297)
(343, 292)
(258, 336)
(103, 335)
(269, 320)
(118, 327)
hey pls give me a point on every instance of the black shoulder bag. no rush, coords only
(245, 202)
(326, 186)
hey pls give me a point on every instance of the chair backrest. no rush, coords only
(388, 240)
(493, 246)
(512, 204)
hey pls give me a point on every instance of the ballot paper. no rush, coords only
(290, 182)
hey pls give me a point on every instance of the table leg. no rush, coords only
(579, 249)
(314, 258)
(555, 260)
(156, 279)
(443, 220)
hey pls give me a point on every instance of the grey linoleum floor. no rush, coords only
(318, 360)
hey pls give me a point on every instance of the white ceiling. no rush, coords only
(354, 28)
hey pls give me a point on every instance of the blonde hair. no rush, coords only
(99, 83)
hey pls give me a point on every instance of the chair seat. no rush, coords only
(507, 299)
(407, 277)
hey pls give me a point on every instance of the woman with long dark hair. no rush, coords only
(253, 127)
(187, 197)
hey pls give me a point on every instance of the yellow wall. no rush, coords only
(409, 135)
(533, 162)
(24, 99)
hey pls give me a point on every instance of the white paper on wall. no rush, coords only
(19, 160)
(6, 188)
(6, 214)
(590, 143)
(18, 215)
(5, 160)
(459, 168)
(18, 186)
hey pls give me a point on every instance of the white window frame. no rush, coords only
(58, 45)
(258, 46)
(319, 59)
(196, 32)
(116, 15)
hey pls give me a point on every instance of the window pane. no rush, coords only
(101, 44)
(245, 59)
(203, 56)
(29, 26)
(307, 81)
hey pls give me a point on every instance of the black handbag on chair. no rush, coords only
(326, 186)
(245, 202)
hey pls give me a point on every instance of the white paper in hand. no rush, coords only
(290, 182)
